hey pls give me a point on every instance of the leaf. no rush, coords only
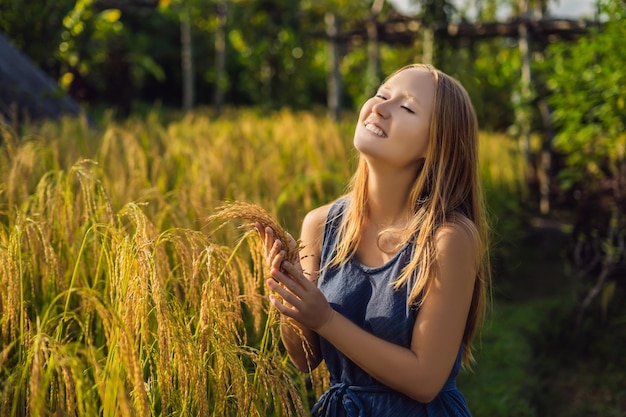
(111, 15)
(148, 64)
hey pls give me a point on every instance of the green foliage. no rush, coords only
(582, 371)
(276, 53)
(490, 73)
(75, 52)
(588, 86)
(35, 29)
(504, 383)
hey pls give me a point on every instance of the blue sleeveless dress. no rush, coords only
(365, 296)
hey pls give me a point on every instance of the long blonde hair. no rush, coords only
(447, 188)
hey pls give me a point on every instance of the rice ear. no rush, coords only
(241, 210)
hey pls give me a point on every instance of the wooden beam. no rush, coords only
(404, 30)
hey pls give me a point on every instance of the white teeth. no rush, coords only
(376, 130)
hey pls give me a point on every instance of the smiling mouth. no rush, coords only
(375, 130)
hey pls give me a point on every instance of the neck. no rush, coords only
(388, 196)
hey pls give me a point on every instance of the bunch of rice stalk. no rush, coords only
(240, 210)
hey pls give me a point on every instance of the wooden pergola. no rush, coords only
(403, 30)
(397, 29)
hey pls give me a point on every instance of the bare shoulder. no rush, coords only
(311, 238)
(316, 218)
(459, 240)
(313, 226)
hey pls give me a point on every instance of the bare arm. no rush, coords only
(301, 343)
(420, 371)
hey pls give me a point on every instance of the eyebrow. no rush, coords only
(405, 94)
(412, 98)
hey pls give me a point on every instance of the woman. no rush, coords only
(392, 283)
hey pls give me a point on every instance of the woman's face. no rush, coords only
(393, 126)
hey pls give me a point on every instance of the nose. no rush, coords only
(381, 108)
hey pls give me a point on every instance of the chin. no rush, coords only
(361, 145)
(367, 143)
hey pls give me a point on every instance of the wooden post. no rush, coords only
(544, 171)
(373, 60)
(220, 56)
(544, 168)
(428, 44)
(186, 60)
(334, 75)
(523, 113)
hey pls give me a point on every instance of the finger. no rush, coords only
(269, 237)
(288, 296)
(273, 248)
(288, 281)
(283, 309)
(278, 260)
(261, 230)
(296, 273)
(291, 241)
(274, 252)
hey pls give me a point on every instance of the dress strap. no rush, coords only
(333, 221)
(342, 396)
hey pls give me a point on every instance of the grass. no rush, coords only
(508, 380)
(121, 295)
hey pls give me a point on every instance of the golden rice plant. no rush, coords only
(253, 213)
(144, 323)
(113, 300)
(116, 298)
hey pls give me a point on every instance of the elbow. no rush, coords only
(425, 392)
(304, 368)
(423, 383)
(305, 365)
(424, 396)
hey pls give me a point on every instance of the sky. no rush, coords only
(570, 9)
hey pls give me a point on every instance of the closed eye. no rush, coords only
(408, 109)
(381, 96)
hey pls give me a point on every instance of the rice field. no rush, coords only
(121, 291)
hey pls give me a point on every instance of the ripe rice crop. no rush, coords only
(115, 297)
(255, 214)
(118, 298)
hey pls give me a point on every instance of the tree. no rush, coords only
(588, 90)
(35, 28)
(188, 13)
(98, 58)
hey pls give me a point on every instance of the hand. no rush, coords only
(301, 300)
(274, 249)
